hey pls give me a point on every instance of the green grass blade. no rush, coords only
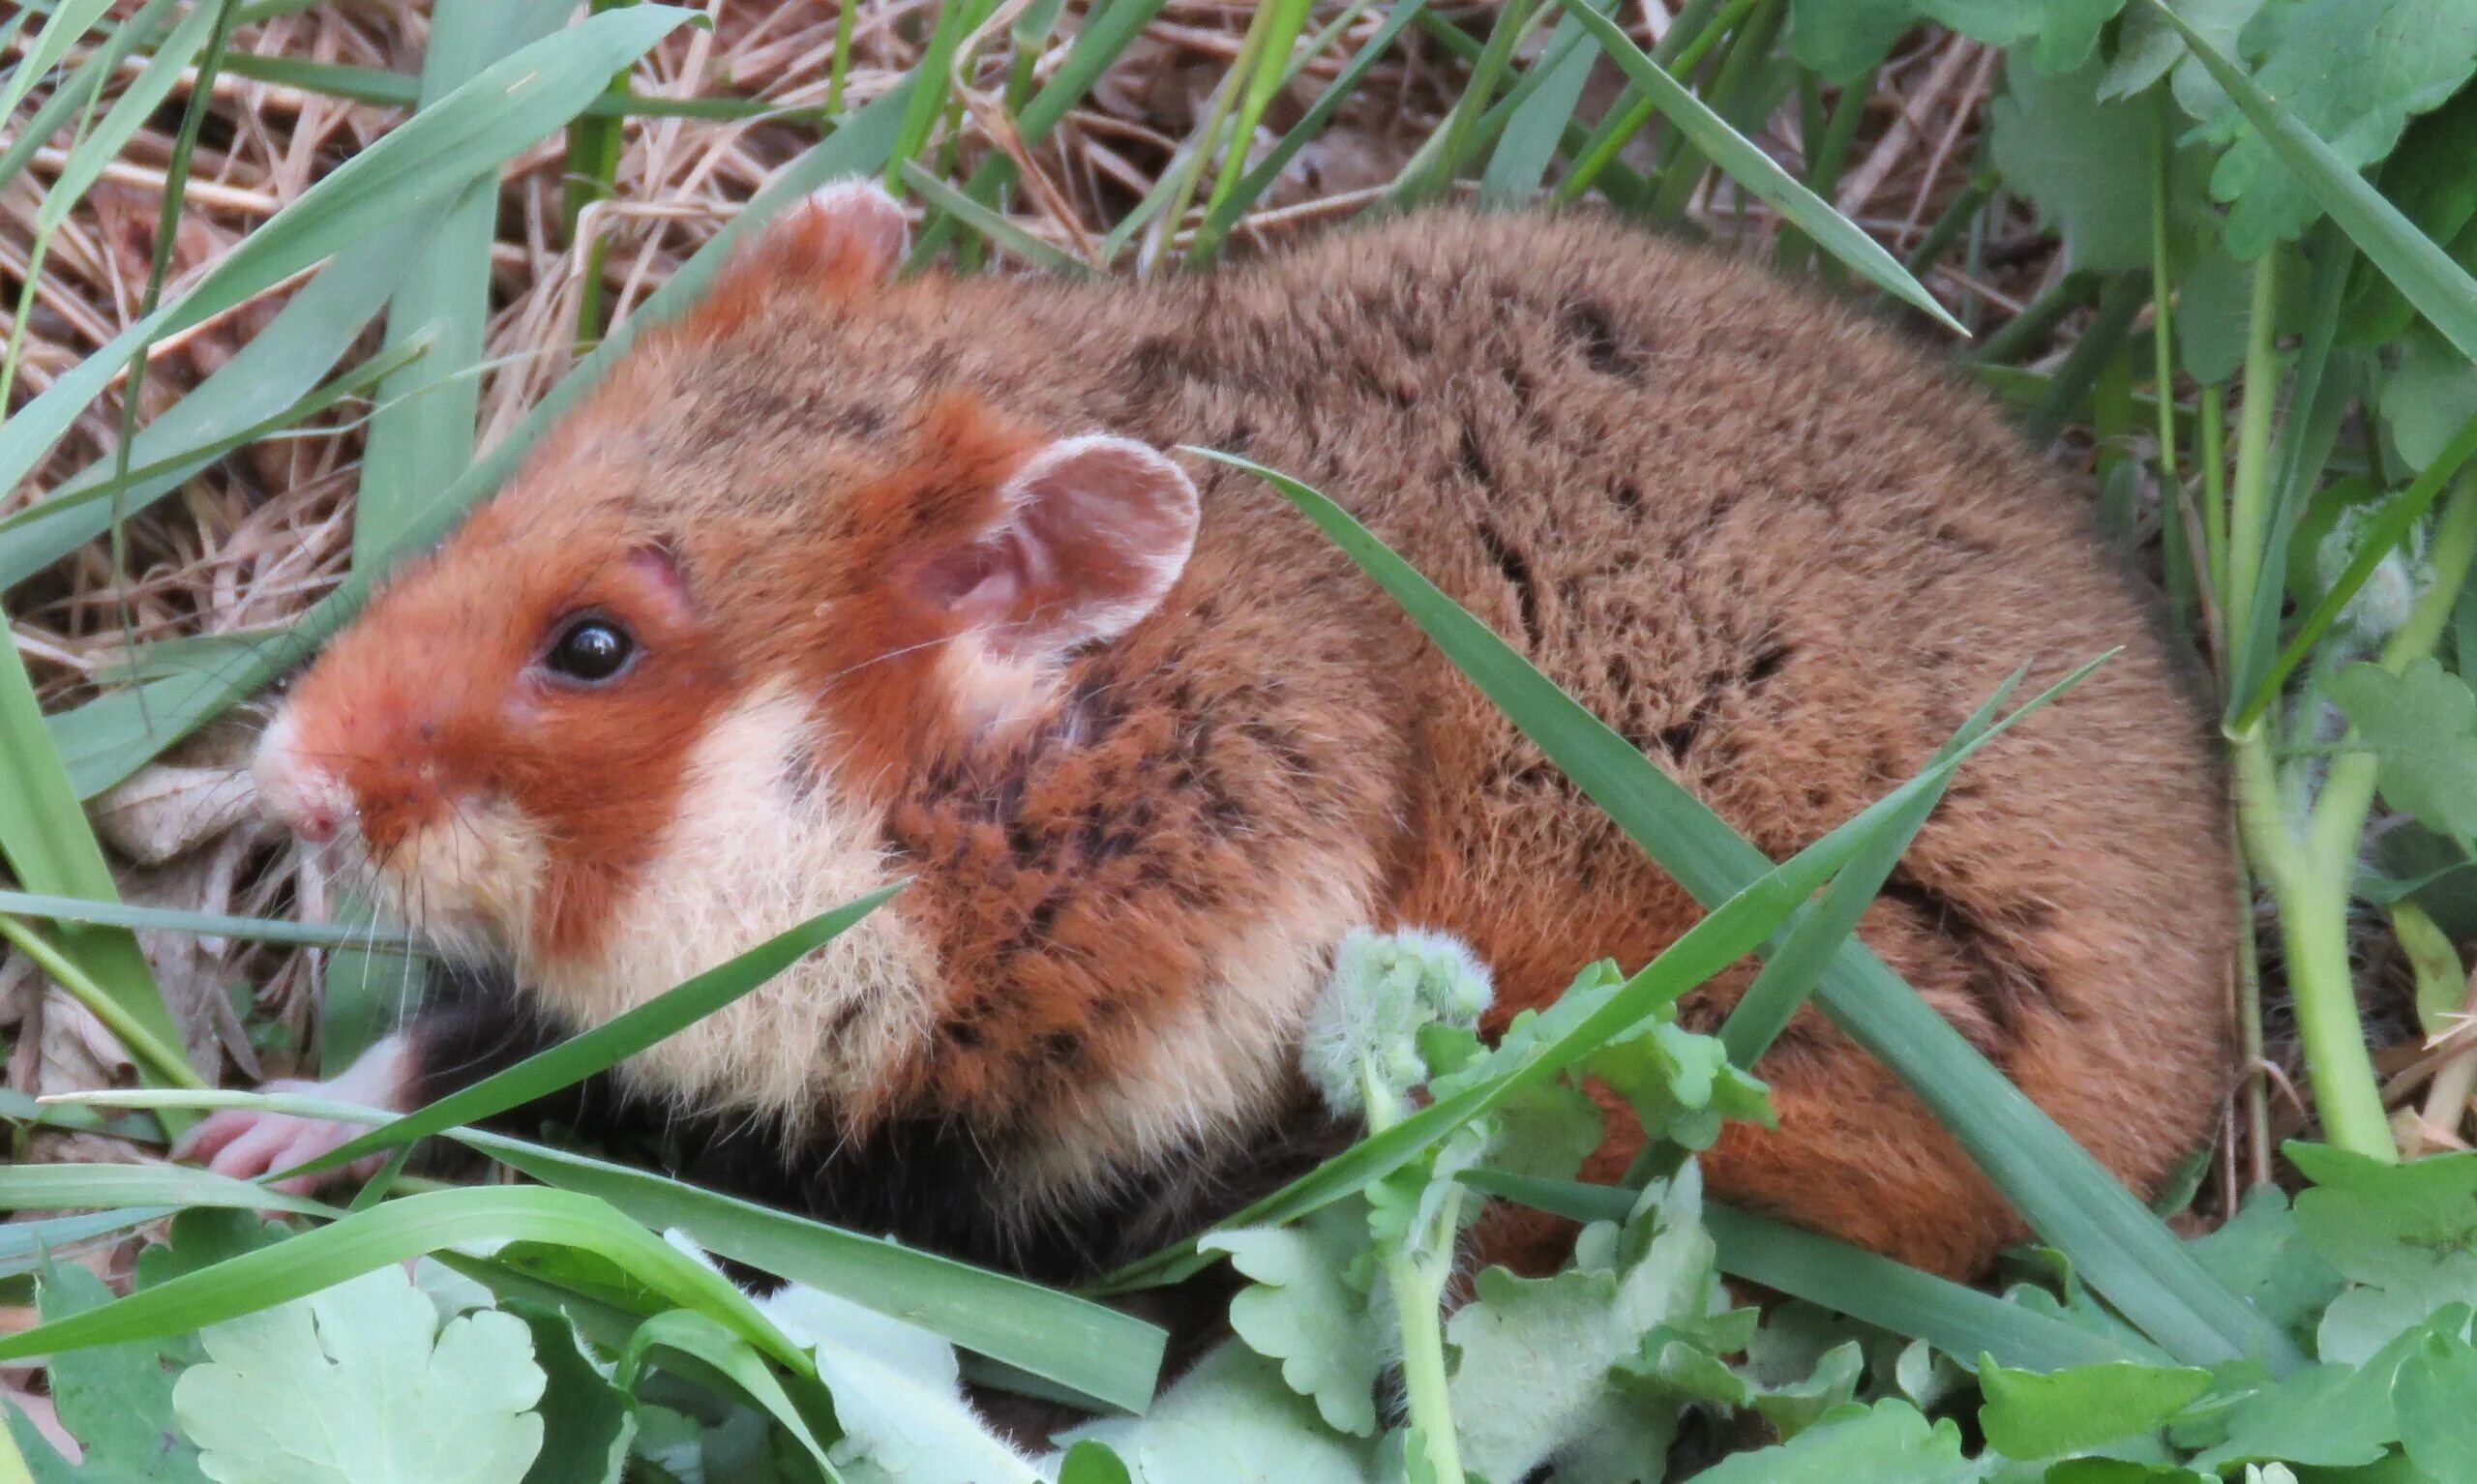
(410, 1228)
(719, 1355)
(53, 114)
(71, 1187)
(1797, 966)
(1225, 211)
(607, 1044)
(2425, 275)
(414, 169)
(1962, 1322)
(49, 847)
(1095, 1351)
(60, 30)
(25, 1245)
(1758, 172)
(155, 919)
(178, 465)
(1288, 17)
(1537, 127)
(2123, 1251)
(109, 738)
(26, 1109)
(992, 226)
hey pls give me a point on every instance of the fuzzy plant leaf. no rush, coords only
(2033, 1416)
(2353, 72)
(898, 1396)
(1308, 1306)
(588, 1424)
(1793, 1406)
(1230, 1420)
(1536, 1378)
(359, 1383)
(2262, 1256)
(2421, 725)
(116, 1400)
(1888, 1444)
(2403, 1236)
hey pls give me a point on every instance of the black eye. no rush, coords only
(593, 649)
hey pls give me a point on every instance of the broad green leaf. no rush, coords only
(412, 169)
(2427, 177)
(588, 1423)
(116, 1400)
(1534, 1378)
(2432, 1394)
(2033, 1416)
(1305, 1308)
(1845, 1279)
(105, 740)
(2430, 395)
(2419, 268)
(1888, 1444)
(359, 1383)
(2405, 1234)
(2421, 726)
(408, 1228)
(1230, 1420)
(2064, 1193)
(2346, 72)
(716, 1353)
(2261, 1255)
(1756, 171)
(1842, 38)
(1800, 1405)
(2047, 132)
(898, 1397)
(609, 1043)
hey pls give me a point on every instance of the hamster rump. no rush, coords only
(841, 579)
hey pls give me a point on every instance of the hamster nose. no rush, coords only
(316, 824)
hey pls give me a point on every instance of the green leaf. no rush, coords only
(1888, 1444)
(1842, 38)
(2421, 270)
(1091, 1462)
(2033, 1416)
(725, 1361)
(898, 1396)
(2432, 1394)
(116, 1400)
(66, 25)
(1537, 126)
(1756, 171)
(2349, 71)
(305, 1264)
(1303, 1308)
(2406, 1235)
(2421, 726)
(609, 1043)
(2261, 1255)
(588, 1423)
(359, 1384)
(2429, 396)
(1230, 1420)
(1535, 1353)
(2046, 133)
(157, 919)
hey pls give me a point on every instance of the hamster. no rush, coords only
(842, 577)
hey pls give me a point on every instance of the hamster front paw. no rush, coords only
(251, 1143)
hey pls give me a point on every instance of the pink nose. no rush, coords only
(316, 824)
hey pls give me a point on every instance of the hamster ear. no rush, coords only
(1096, 531)
(848, 235)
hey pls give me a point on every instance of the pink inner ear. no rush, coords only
(981, 584)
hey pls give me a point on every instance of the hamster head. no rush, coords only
(783, 553)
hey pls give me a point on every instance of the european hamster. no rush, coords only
(841, 578)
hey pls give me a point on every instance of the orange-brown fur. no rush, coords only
(1754, 532)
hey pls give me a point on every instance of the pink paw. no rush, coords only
(247, 1142)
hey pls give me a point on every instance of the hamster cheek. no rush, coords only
(468, 881)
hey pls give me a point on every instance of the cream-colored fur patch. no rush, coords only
(1213, 1071)
(746, 857)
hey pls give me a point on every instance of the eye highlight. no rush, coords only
(590, 650)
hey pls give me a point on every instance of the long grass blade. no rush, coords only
(1758, 172)
(155, 919)
(71, 1187)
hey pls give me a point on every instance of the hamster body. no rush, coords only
(843, 578)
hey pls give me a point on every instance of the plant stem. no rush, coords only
(2249, 512)
(1419, 1292)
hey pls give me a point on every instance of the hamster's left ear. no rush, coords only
(847, 236)
(1091, 535)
